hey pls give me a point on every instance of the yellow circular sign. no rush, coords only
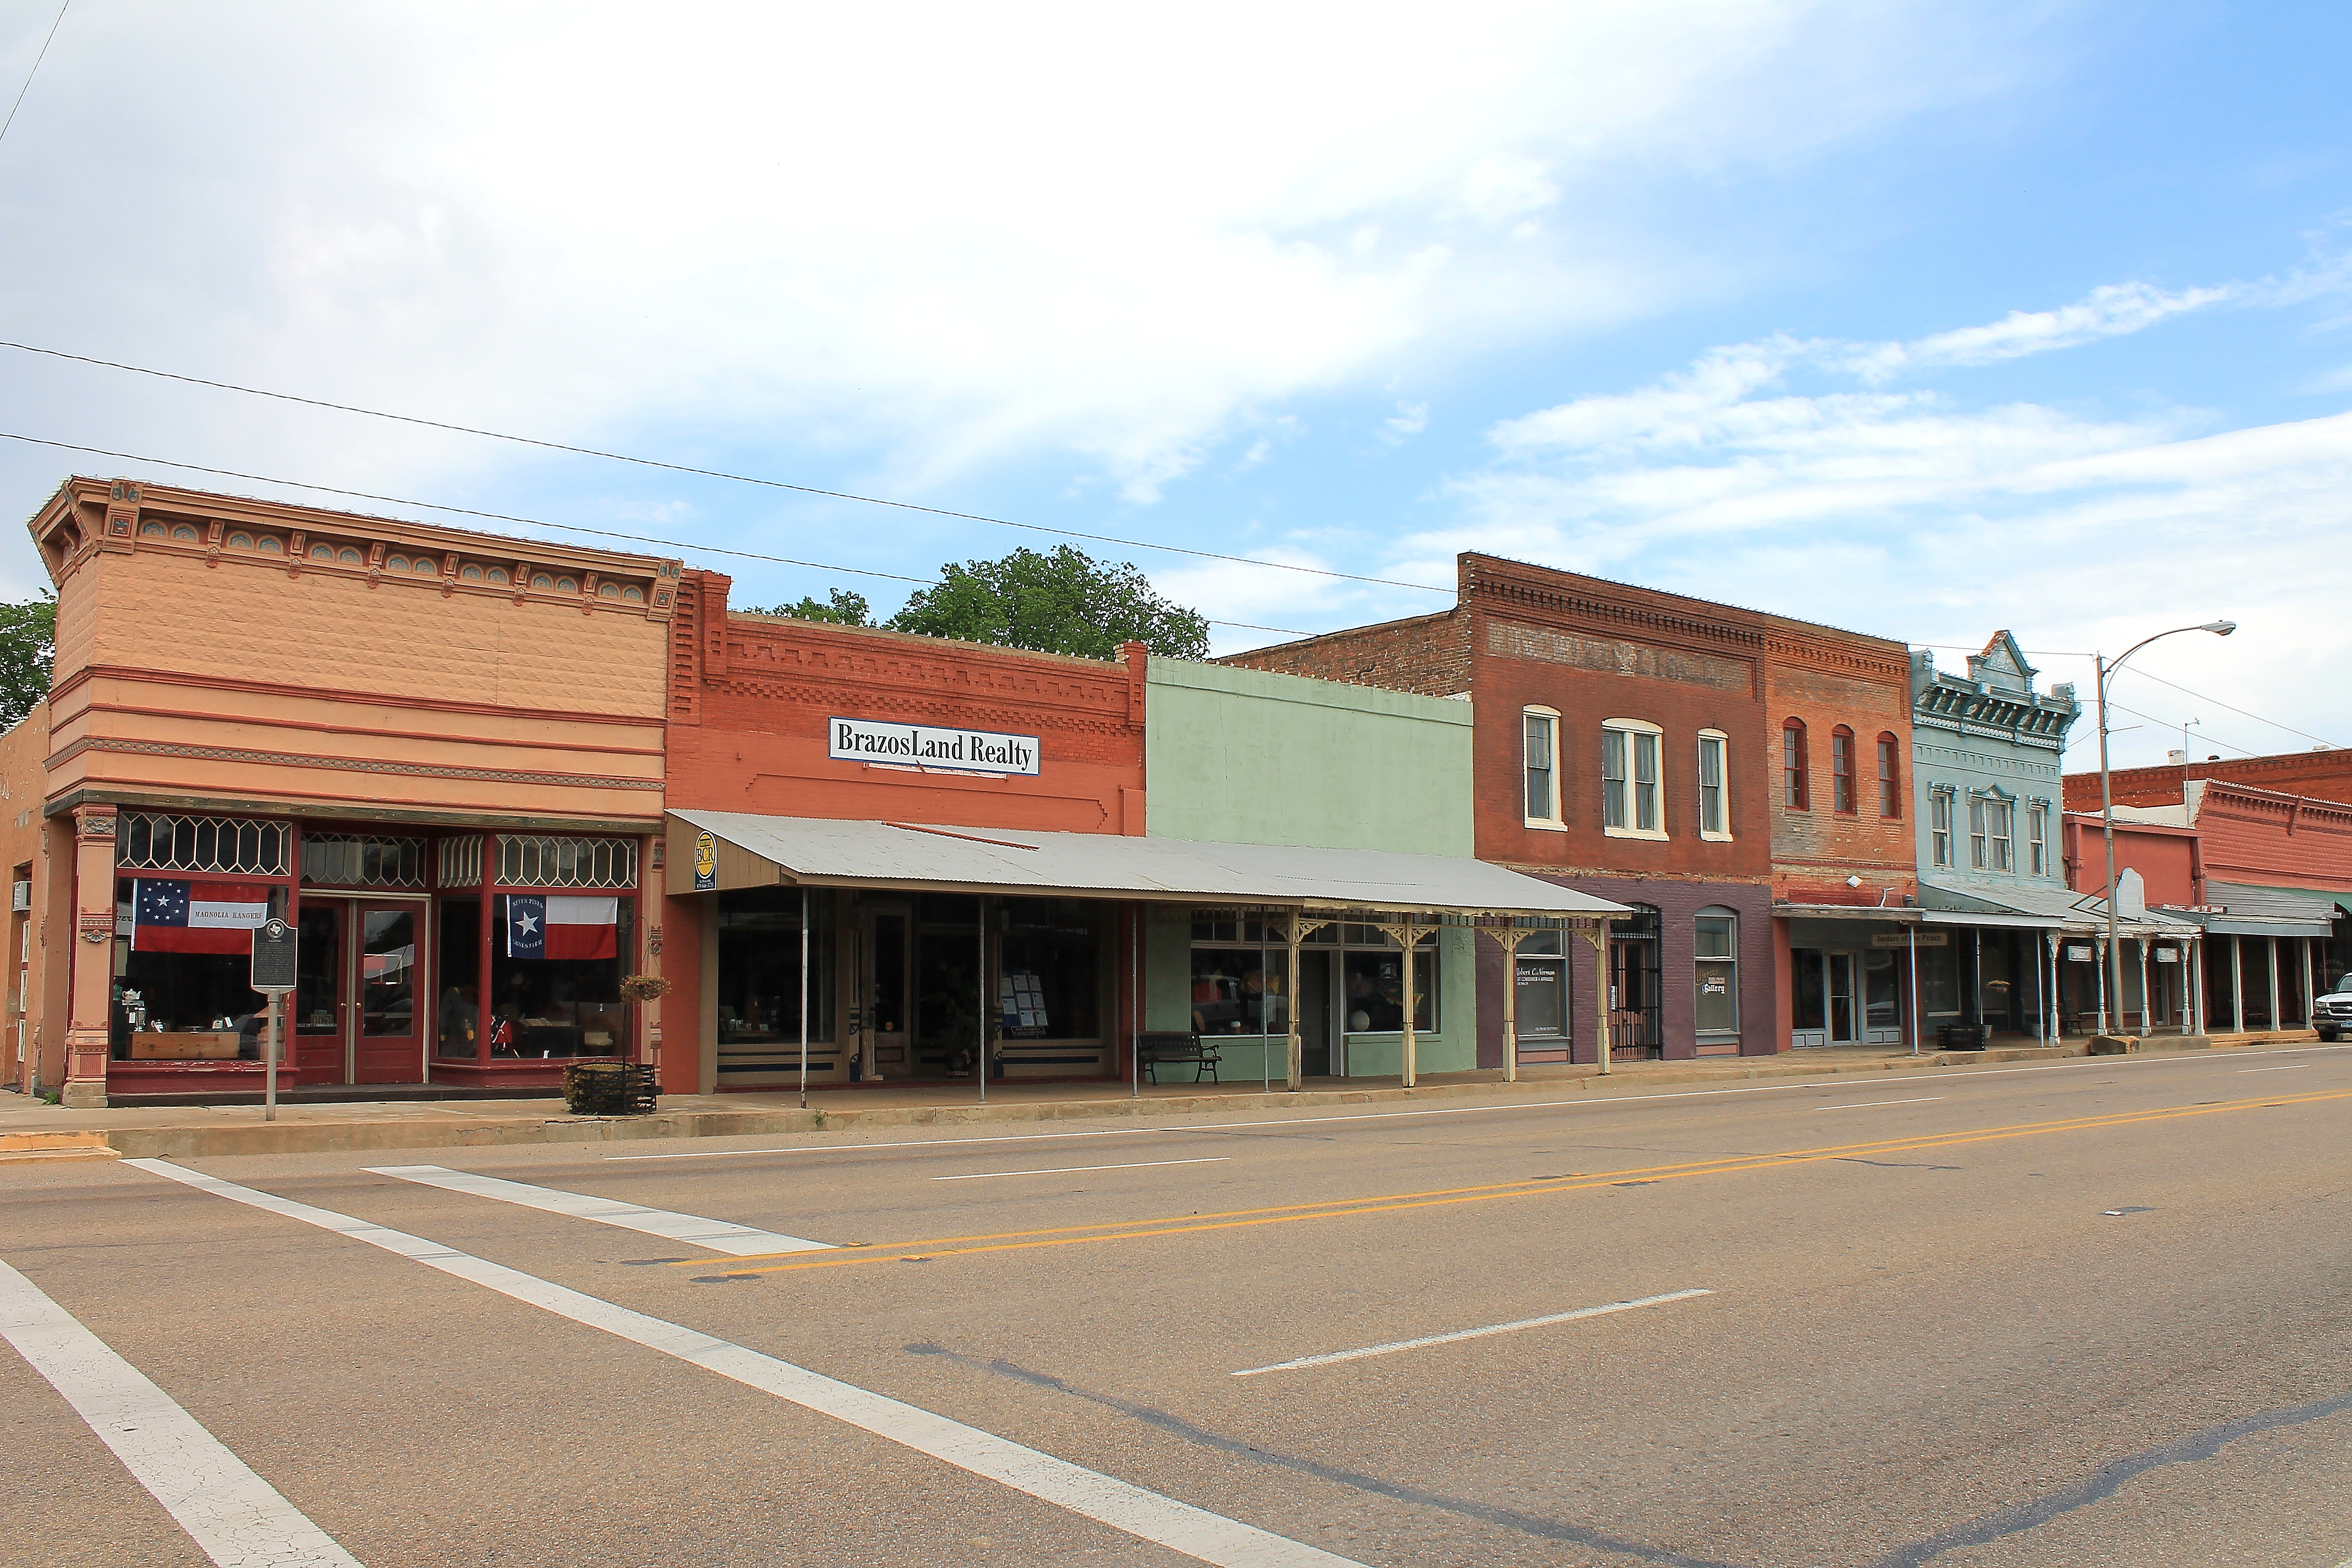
(706, 858)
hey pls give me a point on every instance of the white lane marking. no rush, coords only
(236, 1517)
(1164, 1522)
(1868, 1104)
(2297, 1066)
(1067, 1170)
(718, 1235)
(1392, 1349)
(2100, 1063)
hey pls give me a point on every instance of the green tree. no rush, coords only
(28, 638)
(1066, 602)
(842, 608)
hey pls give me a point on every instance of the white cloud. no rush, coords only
(1915, 514)
(920, 240)
(1410, 419)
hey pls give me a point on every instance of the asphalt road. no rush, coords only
(2084, 1312)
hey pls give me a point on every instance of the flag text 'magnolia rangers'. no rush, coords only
(922, 746)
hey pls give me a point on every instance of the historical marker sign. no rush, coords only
(273, 957)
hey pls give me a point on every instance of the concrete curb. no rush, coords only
(189, 1143)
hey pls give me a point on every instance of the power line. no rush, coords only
(531, 522)
(717, 473)
(44, 54)
(2239, 711)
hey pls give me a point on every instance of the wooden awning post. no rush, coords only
(1509, 938)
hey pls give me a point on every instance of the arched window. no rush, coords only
(1717, 948)
(1890, 775)
(1842, 771)
(1793, 791)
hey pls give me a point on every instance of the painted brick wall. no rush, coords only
(1825, 678)
(1428, 654)
(2320, 776)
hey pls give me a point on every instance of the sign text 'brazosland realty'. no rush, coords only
(920, 746)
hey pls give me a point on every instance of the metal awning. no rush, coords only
(2041, 909)
(2245, 910)
(750, 851)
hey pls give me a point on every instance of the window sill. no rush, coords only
(1543, 825)
(1656, 835)
(1716, 837)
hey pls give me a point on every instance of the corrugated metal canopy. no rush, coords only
(823, 852)
(2250, 910)
(2046, 909)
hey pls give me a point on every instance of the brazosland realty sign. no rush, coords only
(920, 746)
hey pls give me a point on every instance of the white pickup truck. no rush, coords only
(2332, 1013)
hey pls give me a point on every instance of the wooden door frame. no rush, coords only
(350, 1005)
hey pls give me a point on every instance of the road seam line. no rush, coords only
(1426, 1339)
(1070, 1170)
(1872, 1104)
(1147, 1515)
(718, 1235)
(239, 1519)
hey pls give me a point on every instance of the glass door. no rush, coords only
(1843, 1013)
(881, 1017)
(318, 1003)
(387, 1042)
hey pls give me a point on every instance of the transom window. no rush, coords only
(1629, 803)
(361, 860)
(533, 861)
(150, 841)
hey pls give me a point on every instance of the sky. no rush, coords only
(1919, 321)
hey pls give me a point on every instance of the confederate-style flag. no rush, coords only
(196, 917)
(547, 925)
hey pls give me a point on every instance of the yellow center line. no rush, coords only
(1340, 1208)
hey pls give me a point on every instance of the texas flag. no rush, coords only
(196, 917)
(546, 925)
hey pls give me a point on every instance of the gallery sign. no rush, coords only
(921, 746)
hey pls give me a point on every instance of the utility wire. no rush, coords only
(2239, 711)
(719, 473)
(37, 58)
(530, 521)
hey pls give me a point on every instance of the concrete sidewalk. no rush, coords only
(30, 1131)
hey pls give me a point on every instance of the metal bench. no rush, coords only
(1153, 1051)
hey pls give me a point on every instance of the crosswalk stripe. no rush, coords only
(239, 1519)
(1147, 1515)
(718, 1235)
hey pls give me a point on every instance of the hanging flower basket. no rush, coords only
(643, 988)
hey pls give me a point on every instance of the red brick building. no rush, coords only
(1845, 877)
(2323, 775)
(751, 702)
(1620, 747)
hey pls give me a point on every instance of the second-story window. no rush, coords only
(1999, 815)
(1980, 852)
(1841, 769)
(1713, 801)
(1890, 778)
(1629, 803)
(2037, 839)
(1542, 766)
(1939, 827)
(1792, 764)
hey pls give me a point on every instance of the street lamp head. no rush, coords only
(2218, 629)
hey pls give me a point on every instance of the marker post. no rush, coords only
(274, 943)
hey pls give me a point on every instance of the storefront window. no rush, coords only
(1881, 990)
(1049, 971)
(183, 968)
(1541, 985)
(947, 982)
(1717, 950)
(556, 975)
(458, 1021)
(1373, 990)
(759, 966)
(1939, 982)
(1808, 990)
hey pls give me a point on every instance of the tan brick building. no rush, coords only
(412, 742)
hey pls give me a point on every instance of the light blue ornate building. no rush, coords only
(1986, 751)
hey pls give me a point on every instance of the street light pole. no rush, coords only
(2106, 673)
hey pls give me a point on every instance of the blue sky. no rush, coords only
(1921, 321)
